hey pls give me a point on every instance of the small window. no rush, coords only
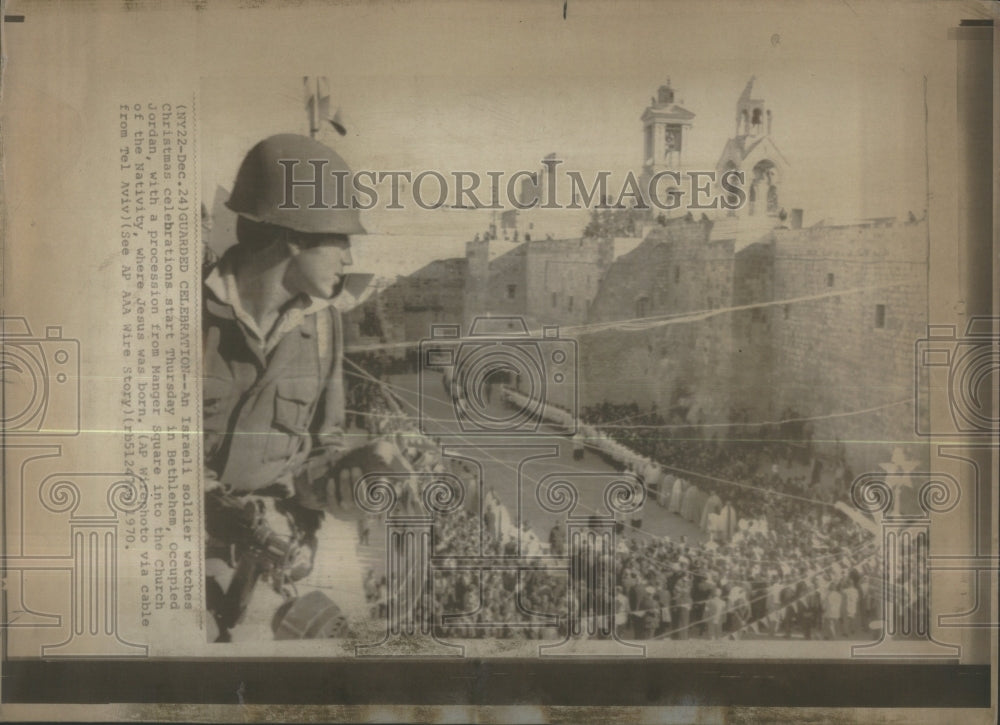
(788, 311)
(677, 273)
(569, 303)
(879, 316)
(641, 307)
(829, 279)
(555, 299)
(511, 291)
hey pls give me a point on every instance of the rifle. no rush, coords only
(240, 524)
(257, 551)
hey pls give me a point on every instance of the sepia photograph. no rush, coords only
(712, 366)
(548, 362)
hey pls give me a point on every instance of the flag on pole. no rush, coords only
(317, 94)
(338, 123)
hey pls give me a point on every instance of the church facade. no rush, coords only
(736, 323)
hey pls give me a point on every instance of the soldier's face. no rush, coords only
(318, 266)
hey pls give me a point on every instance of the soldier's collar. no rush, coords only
(221, 282)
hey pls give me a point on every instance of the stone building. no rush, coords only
(665, 126)
(732, 322)
(816, 323)
(727, 325)
(849, 303)
(652, 357)
(404, 309)
(753, 152)
(545, 281)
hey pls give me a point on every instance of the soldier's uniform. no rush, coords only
(269, 399)
(273, 416)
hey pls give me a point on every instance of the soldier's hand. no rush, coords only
(387, 457)
(381, 456)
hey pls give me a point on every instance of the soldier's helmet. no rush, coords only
(264, 192)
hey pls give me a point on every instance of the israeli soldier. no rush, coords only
(273, 389)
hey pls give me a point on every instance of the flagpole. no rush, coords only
(314, 116)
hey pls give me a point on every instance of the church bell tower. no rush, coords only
(665, 127)
(752, 152)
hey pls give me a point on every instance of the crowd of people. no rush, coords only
(778, 555)
(783, 562)
(710, 590)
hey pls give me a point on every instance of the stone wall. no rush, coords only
(833, 357)
(406, 309)
(546, 282)
(563, 276)
(495, 287)
(807, 342)
(676, 364)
